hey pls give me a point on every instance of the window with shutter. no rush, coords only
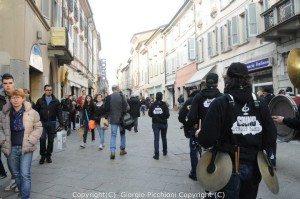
(245, 24)
(234, 31)
(216, 50)
(200, 50)
(222, 38)
(192, 48)
(209, 43)
(252, 19)
(229, 34)
(46, 8)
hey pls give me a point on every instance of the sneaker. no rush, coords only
(17, 190)
(82, 145)
(49, 160)
(12, 185)
(100, 147)
(193, 177)
(156, 157)
(123, 152)
(42, 160)
(112, 155)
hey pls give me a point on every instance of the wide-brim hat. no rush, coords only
(216, 177)
(267, 172)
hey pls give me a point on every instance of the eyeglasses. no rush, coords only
(48, 90)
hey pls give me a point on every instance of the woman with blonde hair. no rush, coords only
(20, 131)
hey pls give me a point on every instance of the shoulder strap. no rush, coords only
(87, 117)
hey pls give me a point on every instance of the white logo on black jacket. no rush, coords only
(246, 124)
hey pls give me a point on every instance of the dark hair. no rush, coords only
(96, 96)
(237, 82)
(85, 104)
(282, 91)
(7, 76)
(47, 85)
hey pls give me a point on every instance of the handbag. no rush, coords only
(104, 123)
(127, 120)
(92, 123)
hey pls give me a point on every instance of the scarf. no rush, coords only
(17, 119)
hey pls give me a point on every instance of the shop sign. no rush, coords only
(58, 36)
(259, 64)
(36, 59)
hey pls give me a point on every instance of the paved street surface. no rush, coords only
(89, 172)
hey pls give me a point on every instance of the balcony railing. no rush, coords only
(285, 11)
(269, 20)
(278, 13)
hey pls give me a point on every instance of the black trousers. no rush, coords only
(2, 170)
(72, 120)
(48, 133)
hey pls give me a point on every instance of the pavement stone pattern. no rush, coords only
(90, 173)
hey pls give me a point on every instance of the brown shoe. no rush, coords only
(112, 155)
(123, 152)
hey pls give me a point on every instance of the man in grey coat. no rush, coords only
(117, 107)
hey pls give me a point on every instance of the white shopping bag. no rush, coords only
(61, 139)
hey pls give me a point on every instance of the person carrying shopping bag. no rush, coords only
(88, 114)
(100, 115)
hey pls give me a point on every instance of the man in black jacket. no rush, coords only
(134, 111)
(8, 85)
(49, 108)
(241, 126)
(159, 113)
(198, 112)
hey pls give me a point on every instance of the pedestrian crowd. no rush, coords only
(236, 122)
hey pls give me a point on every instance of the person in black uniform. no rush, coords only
(159, 112)
(268, 96)
(198, 110)
(242, 123)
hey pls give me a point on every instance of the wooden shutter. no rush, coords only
(192, 48)
(234, 31)
(252, 19)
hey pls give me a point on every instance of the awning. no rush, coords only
(198, 77)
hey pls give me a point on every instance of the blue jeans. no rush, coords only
(243, 185)
(114, 129)
(160, 128)
(193, 153)
(21, 169)
(101, 134)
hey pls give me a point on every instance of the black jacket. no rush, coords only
(2, 102)
(201, 104)
(159, 112)
(66, 105)
(100, 112)
(185, 109)
(135, 106)
(51, 111)
(253, 126)
(89, 110)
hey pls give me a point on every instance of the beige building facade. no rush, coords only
(37, 48)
